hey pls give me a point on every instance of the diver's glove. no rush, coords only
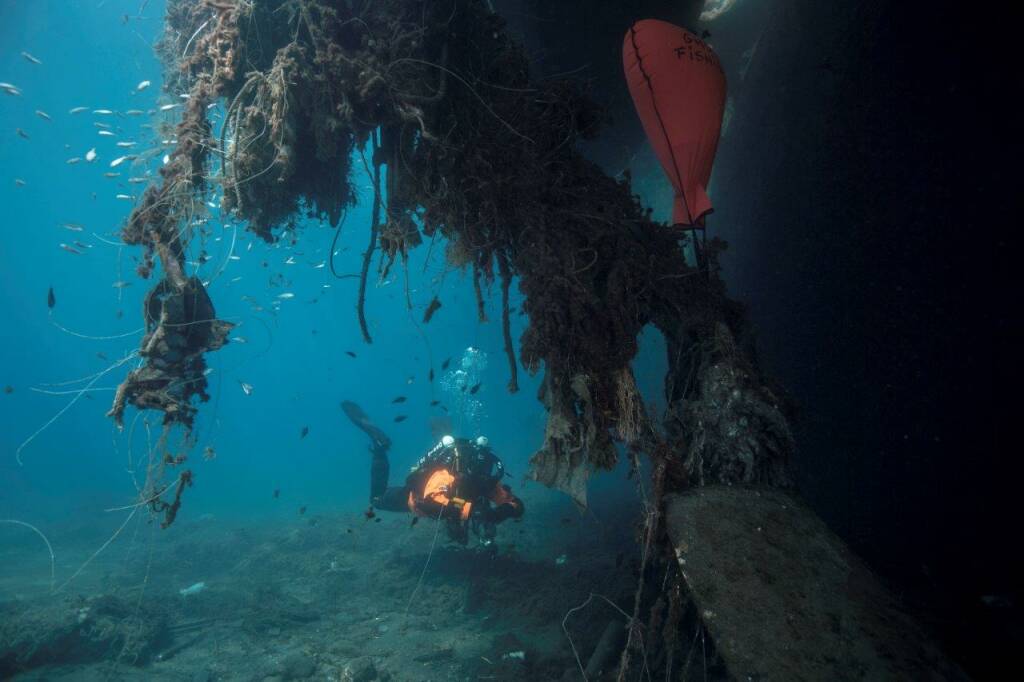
(455, 509)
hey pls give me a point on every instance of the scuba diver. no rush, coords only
(458, 481)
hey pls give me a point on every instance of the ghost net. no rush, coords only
(467, 146)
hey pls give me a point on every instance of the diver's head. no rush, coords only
(474, 458)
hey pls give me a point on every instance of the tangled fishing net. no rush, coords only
(466, 146)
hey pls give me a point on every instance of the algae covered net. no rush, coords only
(462, 145)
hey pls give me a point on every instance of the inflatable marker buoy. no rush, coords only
(678, 87)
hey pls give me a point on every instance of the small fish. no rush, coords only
(74, 227)
(105, 126)
(8, 389)
(474, 389)
(369, 513)
(70, 249)
(30, 58)
(51, 300)
(142, 86)
(444, 365)
(43, 115)
(111, 175)
(285, 296)
(192, 589)
(121, 159)
(103, 112)
(246, 388)
(277, 493)
(105, 133)
(90, 155)
(304, 433)
(350, 354)
(168, 107)
(209, 453)
(10, 89)
(377, 520)
(399, 399)
(302, 510)
(137, 181)
(134, 112)
(78, 110)
(435, 403)
(125, 197)
(401, 418)
(83, 246)
(121, 284)
(126, 144)
(101, 355)
(435, 304)
(239, 339)
(18, 182)
(73, 160)
(22, 134)
(290, 260)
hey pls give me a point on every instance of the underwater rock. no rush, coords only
(782, 597)
(361, 669)
(296, 666)
(77, 631)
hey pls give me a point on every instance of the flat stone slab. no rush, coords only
(783, 597)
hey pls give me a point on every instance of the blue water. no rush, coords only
(293, 358)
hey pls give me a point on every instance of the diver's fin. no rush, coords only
(362, 421)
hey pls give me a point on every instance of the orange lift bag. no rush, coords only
(678, 87)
